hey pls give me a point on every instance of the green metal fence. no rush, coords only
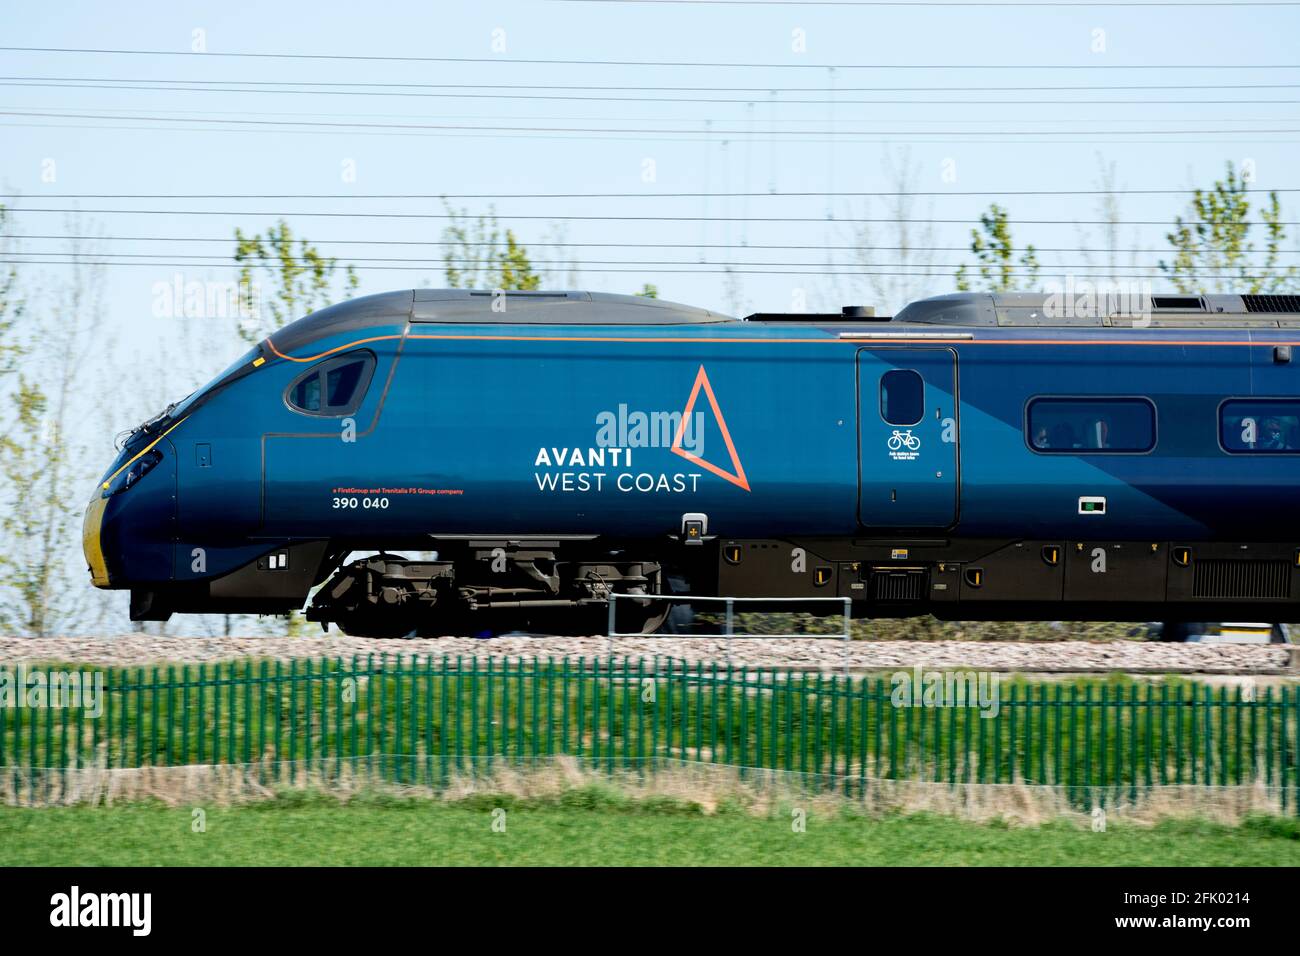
(424, 720)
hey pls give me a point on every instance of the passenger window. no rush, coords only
(1260, 426)
(1091, 426)
(333, 388)
(902, 397)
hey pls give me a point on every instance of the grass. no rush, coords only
(596, 826)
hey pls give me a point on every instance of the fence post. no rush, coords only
(340, 672)
(1295, 701)
(261, 722)
(848, 613)
(443, 736)
(730, 622)
(397, 718)
(638, 690)
(549, 752)
(460, 726)
(293, 720)
(171, 714)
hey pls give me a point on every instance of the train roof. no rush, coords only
(554, 308)
(481, 307)
(1075, 308)
(1071, 308)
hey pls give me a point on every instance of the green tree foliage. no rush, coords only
(481, 255)
(995, 250)
(516, 270)
(302, 278)
(649, 291)
(1214, 240)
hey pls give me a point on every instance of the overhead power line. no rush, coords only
(603, 87)
(823, 270)
(777, 194)
(797, 125)
(652, 131)
(1064, 4)
(970, 138)
(20, 210)
(821, 247)
(599, 98)
(1083, 269)
(528, 61)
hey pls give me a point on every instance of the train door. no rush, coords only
(908, 437)
(320, 461)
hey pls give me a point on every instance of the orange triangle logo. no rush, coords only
(737, 475)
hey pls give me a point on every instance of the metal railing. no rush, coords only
(729, 620)
(425, 720)
(729, 603)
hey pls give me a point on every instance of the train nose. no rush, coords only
(126, 533)
(91, 544)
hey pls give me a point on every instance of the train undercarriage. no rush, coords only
(493, 586)
(488, 590)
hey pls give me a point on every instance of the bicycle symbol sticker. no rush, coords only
(903, 445)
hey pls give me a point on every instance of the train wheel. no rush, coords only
(677, 618)
(680, 619)
(633, 619)
(371, 623)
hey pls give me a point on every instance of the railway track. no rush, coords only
(1046, 657)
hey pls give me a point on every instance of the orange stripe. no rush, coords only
(341, 348)
(860, 343)
(828, 341)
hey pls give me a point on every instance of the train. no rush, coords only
(448, 461)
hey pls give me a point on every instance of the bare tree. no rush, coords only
(11, 303)
(1105, 258)
(40, 593)
(913, 235)
(563, 270)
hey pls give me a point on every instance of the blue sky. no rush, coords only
(843, 149)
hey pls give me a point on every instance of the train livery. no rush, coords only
(507, 460)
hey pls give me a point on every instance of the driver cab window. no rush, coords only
(334, 387)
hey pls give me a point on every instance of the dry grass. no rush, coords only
(701, 788)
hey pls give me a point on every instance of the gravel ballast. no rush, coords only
(793, 653)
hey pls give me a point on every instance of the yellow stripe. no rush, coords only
(108, 481)
(90, 543)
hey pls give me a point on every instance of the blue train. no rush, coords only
(976, 456)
